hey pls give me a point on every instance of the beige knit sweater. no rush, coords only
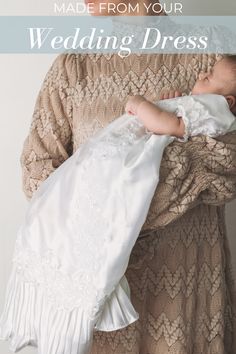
(179, 268)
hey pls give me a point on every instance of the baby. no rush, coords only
(73, 249)
(221, 81)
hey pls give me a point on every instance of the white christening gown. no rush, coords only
(73, 247)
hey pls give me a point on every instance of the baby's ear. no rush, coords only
(231, 101)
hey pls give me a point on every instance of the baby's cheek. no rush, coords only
(197, 88)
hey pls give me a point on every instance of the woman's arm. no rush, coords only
(155, 119)
(49, 141)
(202, 170)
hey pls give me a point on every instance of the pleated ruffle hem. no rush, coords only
(28, 318)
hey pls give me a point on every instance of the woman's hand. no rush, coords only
(170, 94)
(132, 104)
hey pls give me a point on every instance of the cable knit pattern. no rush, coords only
(179, 270)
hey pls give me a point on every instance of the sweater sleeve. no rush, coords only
(49, 141)
(202, 170)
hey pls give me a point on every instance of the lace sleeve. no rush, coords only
(206, 114)
(49, 142)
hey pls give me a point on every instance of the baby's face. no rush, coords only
(218, 80)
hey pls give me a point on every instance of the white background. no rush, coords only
(21, 77)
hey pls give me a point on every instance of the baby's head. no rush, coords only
(220, 80)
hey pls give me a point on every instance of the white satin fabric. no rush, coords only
(73, 247)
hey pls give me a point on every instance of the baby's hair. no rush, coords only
(230, 57)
